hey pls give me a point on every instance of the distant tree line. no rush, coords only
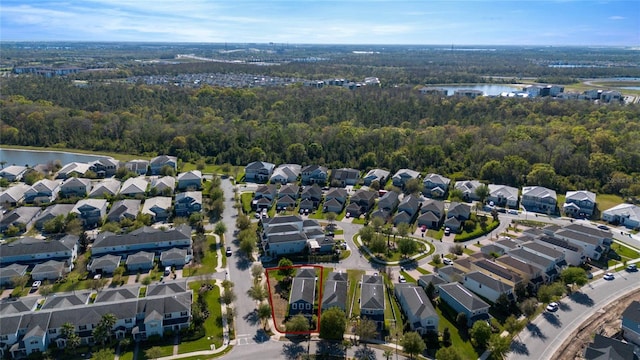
(559, 144)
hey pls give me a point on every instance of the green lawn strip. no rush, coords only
(437, 266)
(355, 276)
(435, 234)
(166, 350)
(246, 198)
(212, 326)
(127, 355)
(468, 251)
(209, 259)
(391, 309)
(408, 277)
(464, 346)
(625, 251)
(423, 271)
(477, 232)
(201, 357)
(358, 221)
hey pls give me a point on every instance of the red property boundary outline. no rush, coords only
(320, 289)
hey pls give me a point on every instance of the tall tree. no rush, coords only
(333, 323)
(297, 323)
(264, 313)
(102, 331)
(366, 329)
(258, 292)
(413, 344)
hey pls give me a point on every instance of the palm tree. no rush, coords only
(387, 354)
(346, 344)
(264, 313)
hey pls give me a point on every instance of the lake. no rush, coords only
(35, 157)
(487, 89)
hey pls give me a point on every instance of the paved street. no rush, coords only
(542, 337)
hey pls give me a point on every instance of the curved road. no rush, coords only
(542, 337)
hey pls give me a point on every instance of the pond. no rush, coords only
(35, 157)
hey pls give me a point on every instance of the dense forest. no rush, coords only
(559, 144)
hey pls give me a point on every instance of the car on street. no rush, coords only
(447, 261)
(632, 268)
(512, 212)
(603, 227)
(552, 307)
(401, 279)
(228, 252)
(608, 276)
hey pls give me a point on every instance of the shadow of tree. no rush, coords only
(582, 298)
(552, 319)
(365, 353)
(252, 317)
(243, 262)
(564, 307)
(519, 347)
(292, 350)
(260, 337)
(329, 348)
(535, 331)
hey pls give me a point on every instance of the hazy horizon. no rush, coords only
(315, 22)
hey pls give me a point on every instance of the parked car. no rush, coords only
(447, 261)
(167, 271)
(228, 253)
(512, 212)
(423, 228)
(447, 231)
(552, 307)
(608, 276)
(347, 215)
(36, 284)
(632, 268)
(401, 279)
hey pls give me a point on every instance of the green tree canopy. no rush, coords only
(413, 344)
(333, 323)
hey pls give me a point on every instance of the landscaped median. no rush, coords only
(396, 258)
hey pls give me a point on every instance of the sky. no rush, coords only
(437, 22)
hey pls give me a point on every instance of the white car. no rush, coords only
(608, 276)
(447, 261)
(401, 279)
(36, 284)
(552, 307)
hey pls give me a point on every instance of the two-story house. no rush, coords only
(105, 167)
(335, 292)
(42, 192)
(502, 195)
(190, 180)
(464, 301)
(157, 163)
(105, 188)
(29, 250)
(486, 286)
(401, 177)
(303, 292)
(124, 209)
(416, 306)
(579, 204)
(468, 189)
(258, 171)
(539, 199)
(285, 173)
(143, 239)
(159, 208)
(79, 187)
(188, 202)
(378, 175)
(314, 174)
(624, 214)
(344, 176)
(431, 214)
(372, 301)
(90, 211)
(435, 185)
(136, 186)
(137, 166)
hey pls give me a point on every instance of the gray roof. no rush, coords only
(632, 312)
(302, 288)
(127, 207)
(464, 297)
(167, 288)
(140, 257)
(579, 237)
(424, 280)
(522, 266)
(434, 206)
(604, 348)
(66, 300)
(488, 281)
(173, 253)
(107, 186)
(29, 246)
(377, 173)
(335, 289)
(543, 249)
(504, 191)
(436, 179)
(16, 306)
(106, 260)
(162, 202)
(407, 173)
(538, 192)
(372, 293)
(190, 175)
(589, 230)
(581, 195)
(287, 237)
(22, 215)
(13, 170)
(281, 220)
(163, 159)
(257, 165)
(144, 235)
(550, 240)
(417, 301)
(13, 270)
(95, 203)
(468, 186)
(500, 270)
(118, 294)
(137, 185)
(164, 182)
(531, 258)
(191, 196)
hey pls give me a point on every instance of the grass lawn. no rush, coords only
(354, 278)
(463, 345)
(222, 353)
(423, 271)
(166, 350)
(408, 277)
(209, 260)
(435, 234)
(359, 221)
(391, 309)
(625, 251)
(212, 326)
(437, 266)
(606, 201)
(246, 198)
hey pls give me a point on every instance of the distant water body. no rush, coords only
(35, 157)
(487, 89)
